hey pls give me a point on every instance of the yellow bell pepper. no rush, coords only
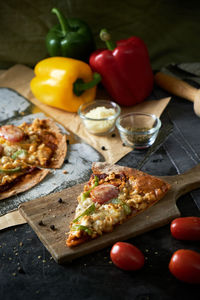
(64, 83)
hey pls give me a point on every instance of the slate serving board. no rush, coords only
(51, 212)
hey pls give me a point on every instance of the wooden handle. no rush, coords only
(186, 182)
(176, 86)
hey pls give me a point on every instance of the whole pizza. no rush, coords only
(27, 152)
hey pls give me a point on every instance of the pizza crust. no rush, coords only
(61, 151)
(104, 167)
(26, 183)
(143, 182)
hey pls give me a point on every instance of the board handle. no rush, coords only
(176, 86)
(187, 181)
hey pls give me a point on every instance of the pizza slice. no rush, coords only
(20, 180)
(112, 195)
(39, 143)
(27, 152)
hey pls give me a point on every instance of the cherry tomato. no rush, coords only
(11, 133)
(185, 265)
(187, 228)
(126, 256)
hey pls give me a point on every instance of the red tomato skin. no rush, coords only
(185, 265)
(11, 133)
(126, 256)
(186, 228)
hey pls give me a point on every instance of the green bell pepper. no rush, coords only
(10, 171)
(125, 206)
(81, 227)
(87, 193)
(87, 212)
(18, 153)
(70, 38)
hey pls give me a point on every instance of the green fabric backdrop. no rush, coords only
(170, 29)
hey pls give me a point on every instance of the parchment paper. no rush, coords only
(11, 219)
(19, 77)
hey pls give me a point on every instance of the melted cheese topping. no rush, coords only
(105, 216)
(36, 148)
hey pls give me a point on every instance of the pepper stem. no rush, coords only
(80, 86)
(106, 37)
(62, 20)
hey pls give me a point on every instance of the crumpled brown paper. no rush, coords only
(18, 78)
(11, 219)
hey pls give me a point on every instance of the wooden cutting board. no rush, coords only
(56, 216)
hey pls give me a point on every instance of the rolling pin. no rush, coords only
(179, 88)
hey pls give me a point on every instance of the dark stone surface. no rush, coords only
(28, 272)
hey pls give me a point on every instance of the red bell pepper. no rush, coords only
(125, 69)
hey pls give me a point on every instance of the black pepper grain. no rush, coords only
(103, 148)
(66, 161)
(113, 135)
(41, 223)
(123, 144)
(60, 200)
(52, 227)
(21, 270)
(67, 142)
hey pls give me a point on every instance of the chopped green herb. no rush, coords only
(18, 153)
(87, 193)
(115, 201)
(86, 212)
(139, 138)
(96, 182)
(124, 205)
(126, 208)
(8, 171)
(81, 227)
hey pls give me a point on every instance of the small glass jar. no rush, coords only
(99, 116)
(138, 130)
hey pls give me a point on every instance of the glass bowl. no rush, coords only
(138, 130)
(99, 116)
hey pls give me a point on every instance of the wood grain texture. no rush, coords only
(51, 212)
